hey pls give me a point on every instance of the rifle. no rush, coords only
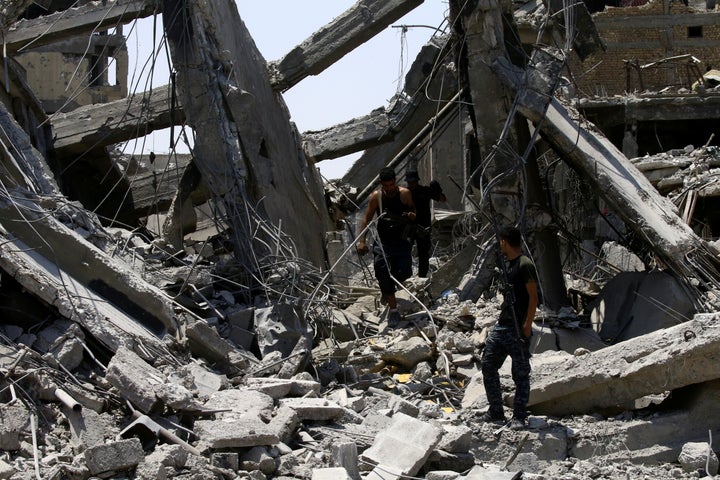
(509, 294)
(506, 287)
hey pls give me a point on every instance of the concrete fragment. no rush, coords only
(258, 458)
(241, 324)
(15, 421)
(442, 475)
(226, 460)
(332, 473)
(313, 408)
(404, 446)
(408, 353)
(116, 456)
(87, 428)
(279, 327)
(695, 456)
(344, 454)
(204, 381)
(6, 470)
(456, 439)
(206, 343)
(135, 379)
(621, 373)
(245, 423)
(479, 472)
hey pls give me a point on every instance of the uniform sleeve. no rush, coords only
(528, 271)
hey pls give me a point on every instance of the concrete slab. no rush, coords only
(404, 446)
(313, 408)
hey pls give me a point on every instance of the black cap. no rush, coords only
(386, 174)
(412, 176)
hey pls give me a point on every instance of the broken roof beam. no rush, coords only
(323, 48)
(92, 17)
(81, 281)
(615, 376)
(102, 125)
(21, 164)
(353, 136)
(660, 109)
(628, 192)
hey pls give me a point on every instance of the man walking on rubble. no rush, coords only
(422, 194)
(511, 334)
(392, 251)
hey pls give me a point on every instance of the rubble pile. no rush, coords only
(256, 392)
(139, 341)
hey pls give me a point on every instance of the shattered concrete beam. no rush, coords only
(89, 18)
(101, 125)
(86, 286)
(629, 193)
(694, 107)
(354, 27)
(246, 147)
(22, 165)
(353, 136)
(617, 375)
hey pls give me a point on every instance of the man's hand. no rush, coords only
(527, 330)
(361, 248)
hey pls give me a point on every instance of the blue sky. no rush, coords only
(362, 81)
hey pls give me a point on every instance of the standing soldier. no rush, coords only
(511, 334)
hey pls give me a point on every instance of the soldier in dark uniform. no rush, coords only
(422, 194)
(511, 334)
(392, 251)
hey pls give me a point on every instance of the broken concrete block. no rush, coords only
(114, 457)
(205, 342)
(244, 419)
(135, 379)
(241, 324)
(6, 470)
(404, 446)
(279, 327)
(258, 458)
(408, 353)
(479, 472)
(243, 432)
(398, 404)
(313, 408)
(695, 456)
(226, 460)
(15, 421)
(344, 454)
(68, 353)
(621, 373)
(87, 428)
(442, 475)
(456, 439)
(206, 382)
(332, 473)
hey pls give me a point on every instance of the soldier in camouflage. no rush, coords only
(511, 335)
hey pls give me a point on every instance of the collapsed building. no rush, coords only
(143, 340)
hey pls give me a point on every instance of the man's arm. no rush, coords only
(436, 192)
(369, 214)
(532, 307)
(407, 200)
